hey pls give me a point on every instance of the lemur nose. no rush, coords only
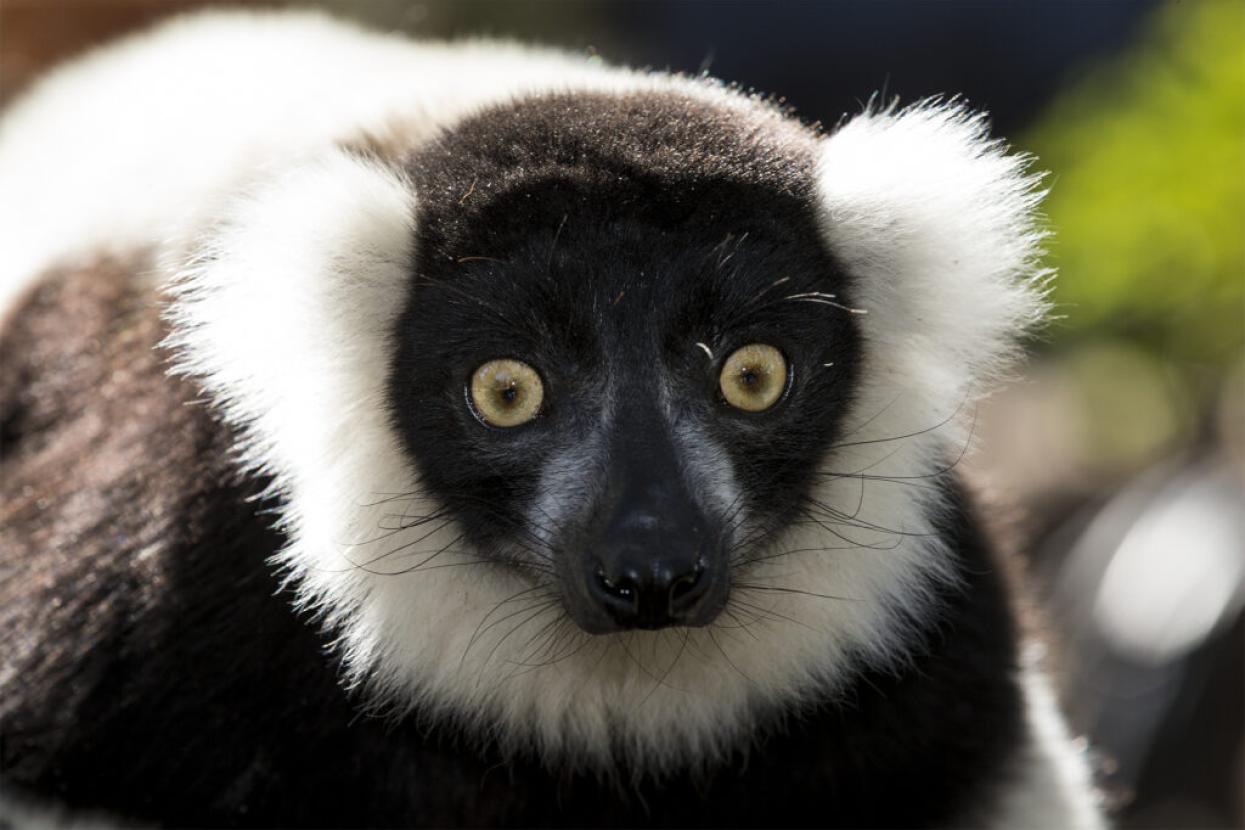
(648, 592)
(651, 555)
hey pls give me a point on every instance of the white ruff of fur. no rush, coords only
(936, 226)
(286, 311)
(288, 320)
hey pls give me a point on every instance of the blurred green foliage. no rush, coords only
(1148, 193)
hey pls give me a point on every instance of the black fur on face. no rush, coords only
(623, 247)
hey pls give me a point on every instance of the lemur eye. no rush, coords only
(753, 377)
(506, 393)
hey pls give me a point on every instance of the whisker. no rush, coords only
(824, 299)
(782, 589)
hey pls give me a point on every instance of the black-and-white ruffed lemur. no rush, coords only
(410, 434)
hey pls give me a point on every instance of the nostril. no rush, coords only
(622, 589)
(683, 590)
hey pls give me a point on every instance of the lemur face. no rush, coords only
(617, 381)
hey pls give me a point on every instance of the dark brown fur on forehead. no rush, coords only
(661, 158)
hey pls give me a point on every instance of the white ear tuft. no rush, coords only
(936, 225)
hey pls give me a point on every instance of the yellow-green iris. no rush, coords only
(506, 393)
(753, 377)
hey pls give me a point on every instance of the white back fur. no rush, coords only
(1050, 784)
(219, 152)
(137, 143)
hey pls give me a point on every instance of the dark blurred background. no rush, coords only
(1124, 443)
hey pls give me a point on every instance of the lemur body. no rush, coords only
(277, 553)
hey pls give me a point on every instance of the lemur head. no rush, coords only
(612, 422)
(621, 361)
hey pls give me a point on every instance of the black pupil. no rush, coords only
(509, 394)
(750, 376)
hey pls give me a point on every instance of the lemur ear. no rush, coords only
(936, 224)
